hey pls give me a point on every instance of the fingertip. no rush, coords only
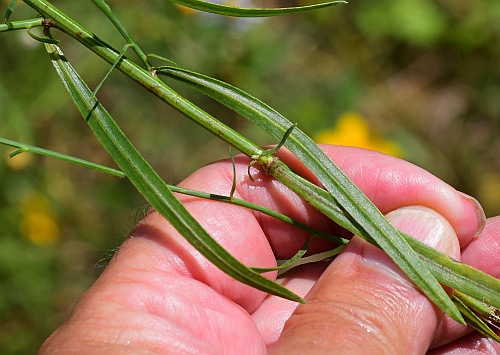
(364, 295)
(428, 226)
(474, 209)
(391, 183)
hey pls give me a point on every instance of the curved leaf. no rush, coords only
(225, 10)
(150, 185)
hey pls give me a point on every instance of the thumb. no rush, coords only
(364, 301)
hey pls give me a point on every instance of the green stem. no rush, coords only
(21, 25)
(104, 7)
(63, 22)
(21, 148)
(26, 148)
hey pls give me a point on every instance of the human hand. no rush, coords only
(159, 295)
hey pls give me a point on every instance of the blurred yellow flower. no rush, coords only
(489, 192)
(19, 161)
(352, 130)
(39, 224)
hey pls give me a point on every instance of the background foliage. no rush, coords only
(415, 78)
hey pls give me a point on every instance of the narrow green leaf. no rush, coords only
(326, 255)
(348, 197)
(225, 10)
(22, 147)
(462, 277)
(101, 83)
(477, 314)
(21, 25)
(106, 10)
(299, 259)
(166, 60)
(26, 148)
(150, 185)
(42, 39)
(288, 263)
(10, 10)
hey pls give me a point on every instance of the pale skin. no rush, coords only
(159, 296)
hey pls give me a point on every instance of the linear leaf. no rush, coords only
(10, 10)
(26, 148)
(106, 10)
(467, 306)
(22, 147)
(219, 9)
(150, 185)
(348, 197)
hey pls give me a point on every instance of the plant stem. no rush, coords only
(26, 148)
(21, 148)
(21, 25)
(63, 22)
(340, 200)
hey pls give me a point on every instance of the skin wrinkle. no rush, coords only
(300, 280)
(319, 318)
(151, 299)
(121, 335)
(168, 261)
(198, 267)
(201, 312)
(389, 298)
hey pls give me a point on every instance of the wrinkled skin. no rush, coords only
(158, 295)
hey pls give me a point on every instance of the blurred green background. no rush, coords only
(419, 79)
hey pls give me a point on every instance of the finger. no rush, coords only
(363, 301)
(392, 183)
(272, 314)
(146, 302)
(482, 253)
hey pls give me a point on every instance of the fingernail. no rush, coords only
(481, 216)
(428, 226)
(420, 222)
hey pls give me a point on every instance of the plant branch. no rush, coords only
(63, 22)
(345, 202)
(21, 25)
